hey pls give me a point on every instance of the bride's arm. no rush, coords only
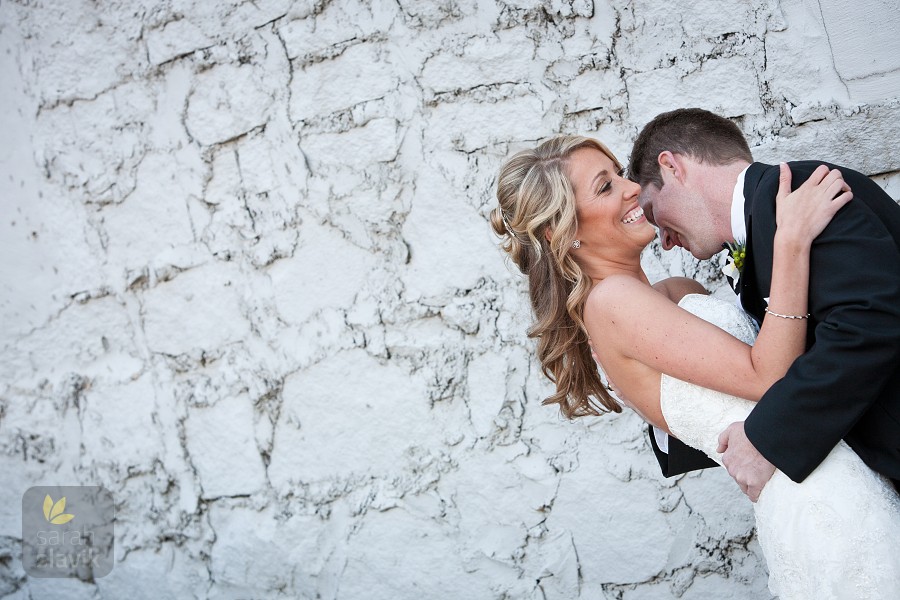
(639, 323)
(799, 220)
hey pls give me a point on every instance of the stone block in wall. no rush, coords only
(222, 448)
(864, 139)
(252, 198)
(711, 18)
(391, 554)
(301, 287)
(799, 64)
(440, 260)
(126, 413)
(66, 67)
(173, 29)
(431, 15)
(349, 416)
(95, 338)
(726, 86)
(224, 181)
(715, 498)
(271, 163)
(505, 57)
(863, 40)
(168, 572)
(154, 218)
(597, 89)
(469, 125)
(174, 39)
(197, 310)
(70, 588)
(554, 562)
(91, 148)
(263, 551)
(621, 539)
(376, 141)
(486, 378)
(333, 27)
(653, 36)
(362, 72)
(229, 100)
(496, 514)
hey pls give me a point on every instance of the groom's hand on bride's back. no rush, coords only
(745, 464)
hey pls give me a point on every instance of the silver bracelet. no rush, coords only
(775, 314)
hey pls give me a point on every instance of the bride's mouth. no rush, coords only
(633, 216)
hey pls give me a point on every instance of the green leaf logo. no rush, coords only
(53, 512)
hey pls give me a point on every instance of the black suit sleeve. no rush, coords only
(681, 458)
(855, 305)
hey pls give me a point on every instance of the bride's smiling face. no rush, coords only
(609, 216)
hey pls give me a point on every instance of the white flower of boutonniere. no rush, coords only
(737, 257)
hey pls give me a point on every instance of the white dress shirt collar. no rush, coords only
(738, 226)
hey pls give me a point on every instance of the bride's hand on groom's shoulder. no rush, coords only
(744, 463)
(801, 215)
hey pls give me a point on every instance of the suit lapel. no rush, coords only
(756, 278)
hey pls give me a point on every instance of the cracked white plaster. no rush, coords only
(361, 73)
(228, 101)
(726, 86)
(222, 448)
(251, 289)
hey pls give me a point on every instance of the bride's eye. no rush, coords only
(604, 188)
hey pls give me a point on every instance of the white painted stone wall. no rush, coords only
(249, 287)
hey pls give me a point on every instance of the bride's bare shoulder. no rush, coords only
(615, 293)
(629, 298)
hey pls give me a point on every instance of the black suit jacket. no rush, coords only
(847, 385)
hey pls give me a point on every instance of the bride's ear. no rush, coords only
(548, 233)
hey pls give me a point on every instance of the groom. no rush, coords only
(701, 188)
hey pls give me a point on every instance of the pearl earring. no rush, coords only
(576, 244)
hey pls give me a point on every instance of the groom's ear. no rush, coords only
(670, 165)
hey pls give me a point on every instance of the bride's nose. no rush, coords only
(633, 190)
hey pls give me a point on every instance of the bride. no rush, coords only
(687, 362)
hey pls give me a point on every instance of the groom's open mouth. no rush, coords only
(633, 215)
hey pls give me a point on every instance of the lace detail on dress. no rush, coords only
(836, 535)
(701, 428)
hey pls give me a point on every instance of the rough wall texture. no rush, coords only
(249, 285)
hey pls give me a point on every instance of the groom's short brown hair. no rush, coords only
(693, 132)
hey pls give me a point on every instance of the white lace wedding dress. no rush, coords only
(837, 534)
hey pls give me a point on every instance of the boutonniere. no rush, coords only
(737, 257)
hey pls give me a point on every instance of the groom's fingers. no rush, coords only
(752, 493)
(723, 442)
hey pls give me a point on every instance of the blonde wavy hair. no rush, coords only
(537, 222)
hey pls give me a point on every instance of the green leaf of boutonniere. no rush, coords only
(737, 258)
